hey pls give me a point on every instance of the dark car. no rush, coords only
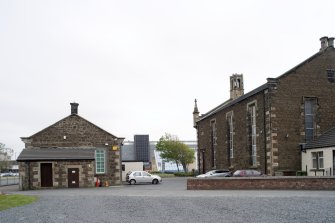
(216, 173)
(247, 173)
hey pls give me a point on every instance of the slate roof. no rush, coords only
(56, 153)
(327, 139)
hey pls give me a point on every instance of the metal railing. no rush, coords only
(9, 180)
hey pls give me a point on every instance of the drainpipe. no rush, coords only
(29, 180)
(203, 160)
(264, 133)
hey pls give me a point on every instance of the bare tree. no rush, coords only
(5, 157)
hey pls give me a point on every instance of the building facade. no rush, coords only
(266, 128)
(318, 156)
(73, 152)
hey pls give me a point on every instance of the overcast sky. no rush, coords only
(135, 67)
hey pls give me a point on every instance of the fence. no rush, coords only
(9, 180)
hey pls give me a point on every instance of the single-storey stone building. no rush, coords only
(267, 128)
(73, 152)
(318, 156)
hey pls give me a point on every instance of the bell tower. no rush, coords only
(236, 86)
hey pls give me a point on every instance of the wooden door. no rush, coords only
(46, 175)
(73, 177)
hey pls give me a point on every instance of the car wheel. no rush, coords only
(132, 182)
(155, 181)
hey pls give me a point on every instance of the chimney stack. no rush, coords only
(324, 43)
(331, 41)
(74, 108)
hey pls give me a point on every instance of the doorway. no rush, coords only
(46, 175)
(73, 177)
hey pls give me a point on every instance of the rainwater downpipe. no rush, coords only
(264, 132)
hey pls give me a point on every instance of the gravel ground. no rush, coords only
(171, 202)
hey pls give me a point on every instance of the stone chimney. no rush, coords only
(74, 108)
(236, 86)
(324, 43)
(331, 41)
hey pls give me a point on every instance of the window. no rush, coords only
(137, 174)
(310, 108)
(252, 134)
(123, 167)
(213, 142)
(317, 158)
(230, 135)
(100, 161)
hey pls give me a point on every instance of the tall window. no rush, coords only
(310, 108)
(230, 135)
(100, 161)
(213, 142)
(252, 134)
(317, 158)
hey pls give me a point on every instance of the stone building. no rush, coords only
(73, 152)
(318, 156)
(266, 128)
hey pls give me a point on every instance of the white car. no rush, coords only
(134, 177)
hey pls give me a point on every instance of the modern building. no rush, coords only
(73, 152)
(143, 150)
(267, 128)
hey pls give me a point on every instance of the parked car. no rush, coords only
(247, 173)
(134, 177)
(215, 173)
(6, 174)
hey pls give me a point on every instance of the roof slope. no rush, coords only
(229, 103)
(327, 139)
(56, 153)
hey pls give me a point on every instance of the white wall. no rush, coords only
(306, 159)
(131, 166)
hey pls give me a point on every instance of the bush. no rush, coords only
(301, 173)
(182, 174)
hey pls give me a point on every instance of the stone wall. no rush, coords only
(72, 131)
(262, 183)
(279, 122)
(241, 157)
(59, 173)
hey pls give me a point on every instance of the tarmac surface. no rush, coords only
(171, 202)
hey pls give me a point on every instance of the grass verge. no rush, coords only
(14, 200)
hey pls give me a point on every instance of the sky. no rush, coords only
(136, 66)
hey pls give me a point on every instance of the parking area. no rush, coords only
(171, 202)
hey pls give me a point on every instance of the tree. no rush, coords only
(173, 150)
(5, 156)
